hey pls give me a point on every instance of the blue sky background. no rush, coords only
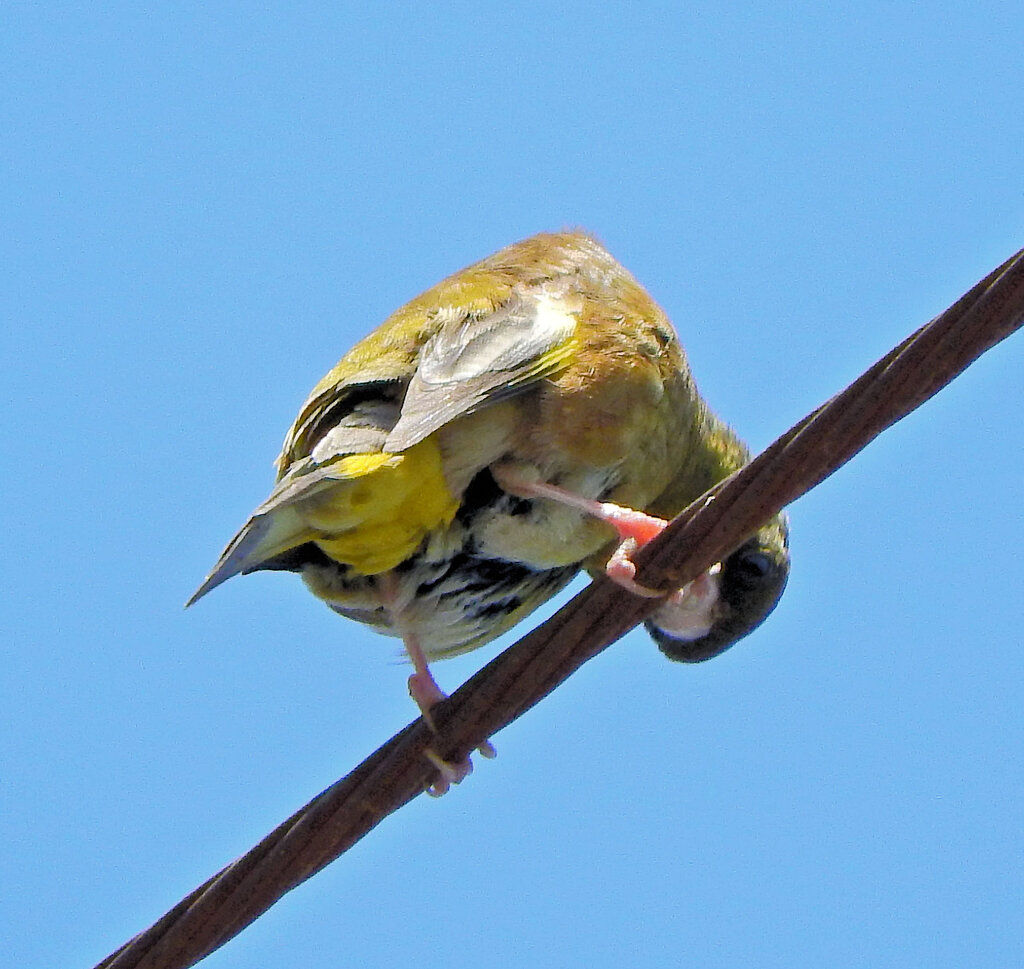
(205, 205)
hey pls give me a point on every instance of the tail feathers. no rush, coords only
(261, 538)
(373, 507)
(276, 526)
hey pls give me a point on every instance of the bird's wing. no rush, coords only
(277, 526)
(334, 399)
(470, 360)
(474, 360)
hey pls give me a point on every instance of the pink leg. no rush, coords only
(426, 693)
(687, 612)
(423, 687)
(635, 528)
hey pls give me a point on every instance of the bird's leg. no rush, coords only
(688, 611)
(635, 528)
(424, 690)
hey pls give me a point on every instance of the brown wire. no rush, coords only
(701, 535)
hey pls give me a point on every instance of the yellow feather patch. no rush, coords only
(383, 508)
(360, 465)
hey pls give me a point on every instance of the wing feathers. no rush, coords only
(475, 361)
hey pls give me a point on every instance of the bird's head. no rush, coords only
(749, 585)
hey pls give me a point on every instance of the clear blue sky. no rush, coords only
(205, 205)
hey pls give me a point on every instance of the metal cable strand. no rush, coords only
(704, 533)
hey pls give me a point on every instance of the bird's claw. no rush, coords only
(425, 691)
(622, 571)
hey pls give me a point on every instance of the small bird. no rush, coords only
(528, 417)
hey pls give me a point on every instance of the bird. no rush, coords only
(530, 417)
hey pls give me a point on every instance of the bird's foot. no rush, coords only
(635, 528)
(621, 569)
(424, 690)
(426, 693)
(689, 609)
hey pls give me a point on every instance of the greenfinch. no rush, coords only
(528, 417)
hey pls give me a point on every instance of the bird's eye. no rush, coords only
(754, 566)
